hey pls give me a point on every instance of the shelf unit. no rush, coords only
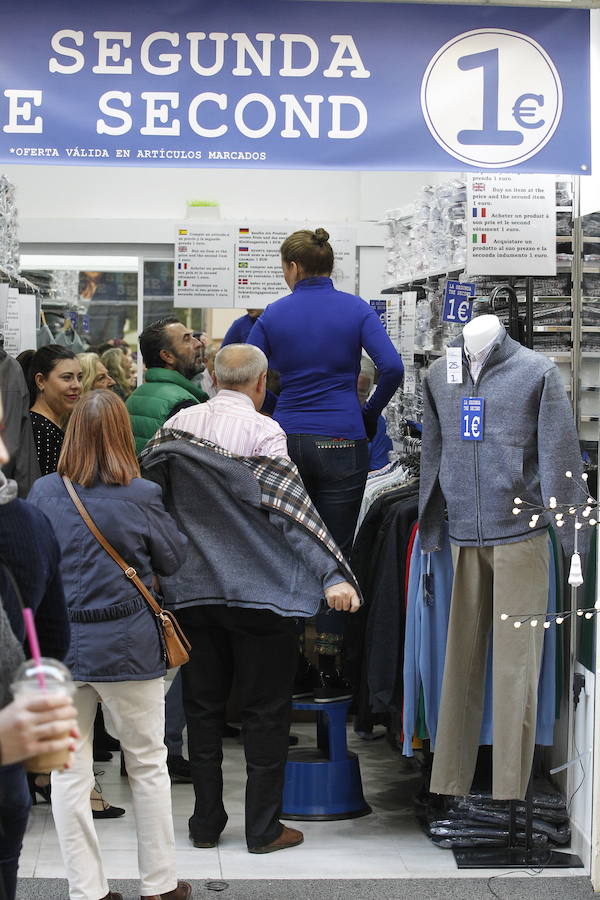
(588, 370)
(566, 324)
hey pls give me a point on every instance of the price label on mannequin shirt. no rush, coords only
(471, 419)
(454, 369)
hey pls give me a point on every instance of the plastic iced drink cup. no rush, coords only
(48, 677)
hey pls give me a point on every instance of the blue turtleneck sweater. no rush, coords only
(314, 339)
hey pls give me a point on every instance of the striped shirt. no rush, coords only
(476, 360)
(230, 420)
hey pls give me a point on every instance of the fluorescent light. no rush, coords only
(80, 263)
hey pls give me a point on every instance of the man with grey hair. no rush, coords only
(232, 419)
(231, 631)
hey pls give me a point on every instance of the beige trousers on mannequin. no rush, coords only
(137, 710)
(489, 581)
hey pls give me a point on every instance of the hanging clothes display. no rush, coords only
(375, 635)
(427, 617)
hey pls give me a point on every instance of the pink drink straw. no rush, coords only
(34, 646)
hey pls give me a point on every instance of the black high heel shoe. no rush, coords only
(101, 808)
(44, 790)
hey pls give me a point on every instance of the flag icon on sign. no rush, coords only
(479, 239)
(243, 249)
(244, 231)
(183, 231)
(479, 212)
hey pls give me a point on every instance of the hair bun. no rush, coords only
(320, 236)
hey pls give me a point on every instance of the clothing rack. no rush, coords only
(409, 444)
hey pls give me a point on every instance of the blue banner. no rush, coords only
(295, 85)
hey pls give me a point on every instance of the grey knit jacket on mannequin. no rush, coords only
(529, 442)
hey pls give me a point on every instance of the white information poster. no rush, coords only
(3, 302)
(204, 265)
(18, 322)
(260, 280)
(28, 321)
(225, 264)
(408, 317)
(392, 319)
(12, 324)
(511, 224)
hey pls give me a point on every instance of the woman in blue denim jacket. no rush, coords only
(116, 653)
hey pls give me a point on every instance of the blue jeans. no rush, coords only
(334, 472)
(14, 810)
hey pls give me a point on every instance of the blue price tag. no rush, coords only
(85, 324)
(471, 419)
(73, 318)
(458, 303)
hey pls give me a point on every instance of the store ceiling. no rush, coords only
(563, 4)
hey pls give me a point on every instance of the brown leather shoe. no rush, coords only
(289, 837)
(181, 892)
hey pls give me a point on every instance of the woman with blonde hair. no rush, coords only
(118, 367)
(116, 651)
(94, 373)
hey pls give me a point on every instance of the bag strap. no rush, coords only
(128, 571)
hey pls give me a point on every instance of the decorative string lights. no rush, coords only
(585, 513)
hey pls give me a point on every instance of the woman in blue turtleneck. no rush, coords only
(314, 338)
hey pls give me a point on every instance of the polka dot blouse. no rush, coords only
(48, 441)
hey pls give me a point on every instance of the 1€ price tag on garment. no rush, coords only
(471, 419)
(458, 302)
(454, 369)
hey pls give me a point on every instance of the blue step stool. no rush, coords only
(324, 783)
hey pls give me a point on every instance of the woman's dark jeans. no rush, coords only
(14, 811)
(334, 472)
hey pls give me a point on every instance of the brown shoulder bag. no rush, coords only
(177, 646)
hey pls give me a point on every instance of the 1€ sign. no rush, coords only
(492, 98)
(471, 420)
(458, 302)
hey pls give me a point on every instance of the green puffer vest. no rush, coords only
(151, 403)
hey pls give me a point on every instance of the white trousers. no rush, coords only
(137, 710)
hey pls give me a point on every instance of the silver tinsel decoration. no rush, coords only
(65, 286)
(9, 232)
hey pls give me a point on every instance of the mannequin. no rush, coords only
(521, 443)
(479, 333)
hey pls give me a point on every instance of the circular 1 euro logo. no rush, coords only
(491, 98)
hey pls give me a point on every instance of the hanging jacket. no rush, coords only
(529, 442)
(23, 464)
(154, 401)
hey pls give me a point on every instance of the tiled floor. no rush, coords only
(386, 844)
